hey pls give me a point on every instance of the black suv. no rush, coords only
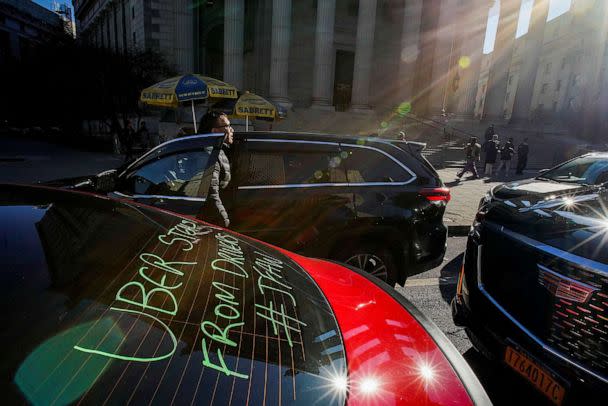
(373, 203)
(533, 290)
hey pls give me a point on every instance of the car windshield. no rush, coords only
(586, 170)
(170, 311)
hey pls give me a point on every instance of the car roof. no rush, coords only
(325, 137)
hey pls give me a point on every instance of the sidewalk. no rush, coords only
(24, 160)
(466, 194)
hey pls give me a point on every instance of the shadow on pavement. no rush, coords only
(448, 278)
(452, 183)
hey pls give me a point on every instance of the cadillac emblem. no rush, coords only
(564, 287)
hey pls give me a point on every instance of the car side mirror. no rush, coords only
(542, 171)
(105, 182)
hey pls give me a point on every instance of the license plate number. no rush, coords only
(539, 377)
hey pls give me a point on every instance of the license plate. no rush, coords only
(539, 377)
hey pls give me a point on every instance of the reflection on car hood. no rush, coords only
(574, 219)
(532, 188)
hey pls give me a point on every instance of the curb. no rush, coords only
(458, 230)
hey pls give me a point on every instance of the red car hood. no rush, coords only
(395, 355)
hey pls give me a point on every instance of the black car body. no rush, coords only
(565, 179)
(534, 282)
(370, 202)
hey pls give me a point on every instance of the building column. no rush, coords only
(364, 51)
(501, 60)
(445, 56)
(183, 35)
(279, 54)
(471, 54)
(530, 59)
(234, 22)
(410, 47)
(322, 85)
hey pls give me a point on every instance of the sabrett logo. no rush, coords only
(255, 110)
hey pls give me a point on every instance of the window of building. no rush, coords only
(364, 165)
(544, 87)
(134, 38)
(132, 12)
(563, 63)
(548, 68)
(558, 86)
(353, 8)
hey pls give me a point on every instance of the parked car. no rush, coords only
(566, 178)
(533, 291)
(372, 203)
(115, 302)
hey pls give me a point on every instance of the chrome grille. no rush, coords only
(563, 298)
(580, 329)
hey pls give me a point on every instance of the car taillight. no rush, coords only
(438, 194)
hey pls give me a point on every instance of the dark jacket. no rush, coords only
(522, 150)
(507, 151)
(219, 180)
(472, 151)
(490, 148)
(221, 173)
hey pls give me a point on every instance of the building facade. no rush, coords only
(22, 24)
(372, 55)
(557, 70)
(345, 54)
(164, 26)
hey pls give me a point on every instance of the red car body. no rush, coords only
(108, 301)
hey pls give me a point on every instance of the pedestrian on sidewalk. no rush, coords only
(522, 156)
(472, 152)
(490, 149)
(506, 153)
(489, 133)
(143, 135)
(129, 139)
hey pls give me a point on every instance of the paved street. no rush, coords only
(26, 160)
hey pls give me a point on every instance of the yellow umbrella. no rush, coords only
(250, 104)
(190, 87)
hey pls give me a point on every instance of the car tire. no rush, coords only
(376, 260)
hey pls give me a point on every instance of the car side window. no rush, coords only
(366, 165)
(179, 174)
(292, 167)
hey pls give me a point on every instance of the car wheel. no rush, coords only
(377, 261)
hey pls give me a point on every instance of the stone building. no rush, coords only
(23, 23)
(368, 56)
(554, 70)
(345, 54)
(161, 25)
